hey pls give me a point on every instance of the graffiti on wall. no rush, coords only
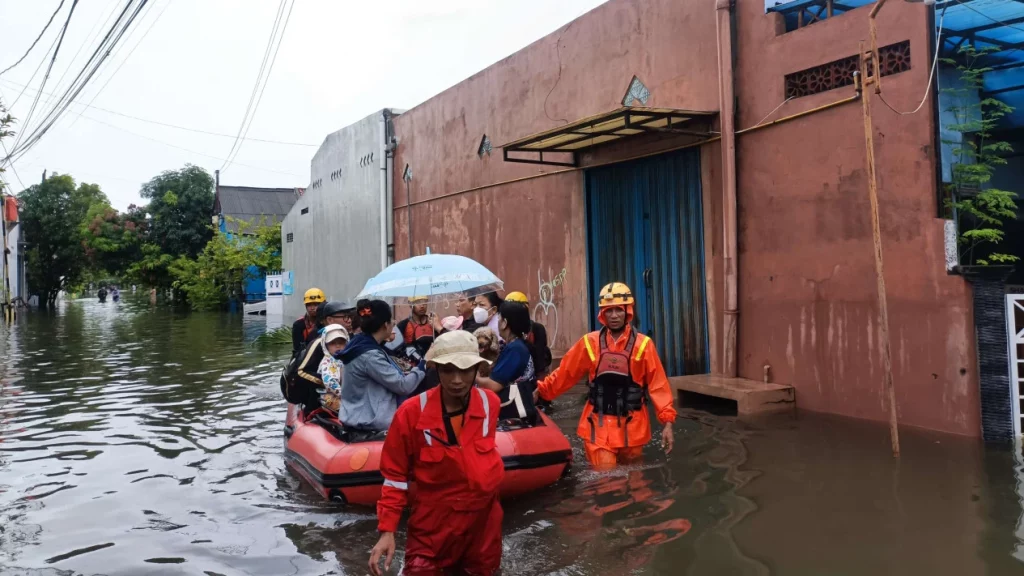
(546, 312)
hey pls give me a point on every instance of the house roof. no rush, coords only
(250, 204)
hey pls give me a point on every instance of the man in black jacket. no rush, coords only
(307, 324)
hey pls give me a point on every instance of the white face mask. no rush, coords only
(479, 315)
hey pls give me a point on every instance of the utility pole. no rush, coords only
(869, 62)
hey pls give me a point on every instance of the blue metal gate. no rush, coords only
(645, 228)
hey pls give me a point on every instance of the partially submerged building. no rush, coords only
(712, 155)
(240, 209)
(337, 235)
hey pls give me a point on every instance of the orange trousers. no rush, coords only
(602, 458)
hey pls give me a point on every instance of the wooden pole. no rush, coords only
(876, 234)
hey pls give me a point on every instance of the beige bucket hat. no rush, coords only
(458, 348)
(335, 331)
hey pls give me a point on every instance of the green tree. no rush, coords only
(6, 121)
(180, 206)
(113, 240)
(979, 208)
(51, 215)
(226, 263)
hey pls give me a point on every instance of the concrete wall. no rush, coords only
(807, 283)
(527, 232)
(336, 246)
(13, 235)
(806, 274)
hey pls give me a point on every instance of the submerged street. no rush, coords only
(144, 441)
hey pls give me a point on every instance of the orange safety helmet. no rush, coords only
(615, 294)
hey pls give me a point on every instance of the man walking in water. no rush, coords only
(623, 369)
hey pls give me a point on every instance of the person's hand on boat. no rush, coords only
(667, 437)
(385, 547)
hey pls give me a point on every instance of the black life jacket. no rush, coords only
(614, 391)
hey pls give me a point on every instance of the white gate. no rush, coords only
(1015, 331)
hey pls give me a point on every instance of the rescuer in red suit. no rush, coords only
(443, 441)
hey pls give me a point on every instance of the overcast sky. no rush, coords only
(340, 61)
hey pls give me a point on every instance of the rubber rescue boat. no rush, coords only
(349, 471)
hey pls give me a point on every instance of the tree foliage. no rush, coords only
(6, 121)
(226, 263)
(113, 240)
(51, 217)
(979, 208)
(180, 206)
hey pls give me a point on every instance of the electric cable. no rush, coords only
(36, 41)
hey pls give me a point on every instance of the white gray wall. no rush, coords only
(336, 246)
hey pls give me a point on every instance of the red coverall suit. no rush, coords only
(455, 523)
(630, 364)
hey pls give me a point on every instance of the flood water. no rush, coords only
(139, 441)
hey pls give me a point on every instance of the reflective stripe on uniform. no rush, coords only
(487, 410)
(394, 484)
(590, 351)
(423, 404)
(643, 346)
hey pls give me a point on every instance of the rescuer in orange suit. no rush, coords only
(623, 369)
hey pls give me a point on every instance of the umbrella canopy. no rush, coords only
(437, 277)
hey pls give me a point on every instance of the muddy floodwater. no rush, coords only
(141, 441)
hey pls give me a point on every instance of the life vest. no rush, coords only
(415, 332)
(614, 391)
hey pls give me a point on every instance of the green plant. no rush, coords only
(978, 208)
(225, 263)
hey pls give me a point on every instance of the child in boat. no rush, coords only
(334, 341)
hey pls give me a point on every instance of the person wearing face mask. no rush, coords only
(513, 377)
(334, 340)
(465, 308)
(486, 311)
(374, 384)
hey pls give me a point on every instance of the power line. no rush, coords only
(107, 44)
(46, 76)
(130, 52)
(168, 125)
(931, 75)
(13, 169)
(36, 41)
(259, 77)
(270, 71)
(183, 149)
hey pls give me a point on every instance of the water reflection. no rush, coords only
(139, 440)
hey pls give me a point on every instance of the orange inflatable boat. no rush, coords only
(349, 472)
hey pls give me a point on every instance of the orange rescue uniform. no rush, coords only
(610, 438)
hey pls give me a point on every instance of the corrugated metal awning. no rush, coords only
(602, 129)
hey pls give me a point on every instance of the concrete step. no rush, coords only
(751, 396)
